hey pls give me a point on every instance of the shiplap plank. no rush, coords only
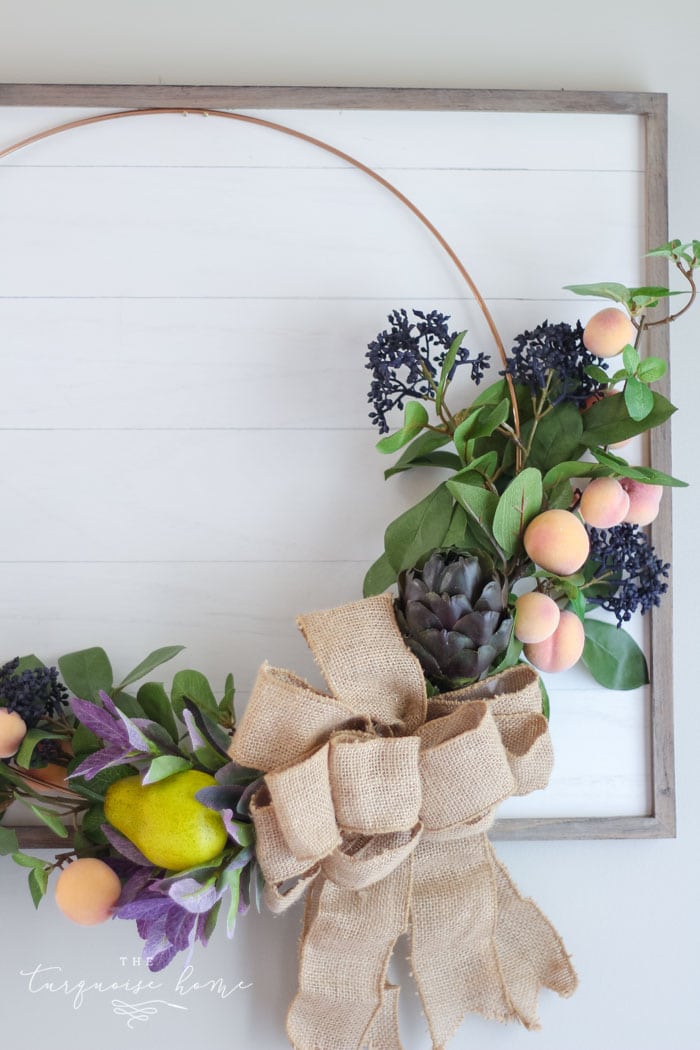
(407, 140)
(311, 233)
(151, 363)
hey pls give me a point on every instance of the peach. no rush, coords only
(608, 332)
(604, 503)
(562, 649)
(557, 541)
(13, 730)
(644, 501)
(87, 890)
(536, 617)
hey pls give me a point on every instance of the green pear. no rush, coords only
(165, 821)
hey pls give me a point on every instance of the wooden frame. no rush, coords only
(651, 108)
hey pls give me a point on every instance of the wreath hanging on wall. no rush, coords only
(374, 798)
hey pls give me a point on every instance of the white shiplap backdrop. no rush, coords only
(185, 303)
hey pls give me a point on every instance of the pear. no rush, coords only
(165, 821)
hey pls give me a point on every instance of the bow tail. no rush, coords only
(478, 946)
(453, 934)
(344, 1001)
(530, 951)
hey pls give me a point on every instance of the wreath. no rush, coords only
(374, 799)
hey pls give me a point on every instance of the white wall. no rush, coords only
(628, 911)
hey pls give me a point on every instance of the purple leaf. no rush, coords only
(193, 896)
(152, 908)
(233, 773)
(195, 736)
(243, 857)
(124, 846)
(243, 806)
(99, 760)
(134, 887)
(219, 797)
(134, 734)
(99, 722)
(240, 833)
(179, 925)
(158, 962)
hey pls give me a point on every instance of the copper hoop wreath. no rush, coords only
(319, 144)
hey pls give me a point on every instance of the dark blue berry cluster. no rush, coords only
(631, 575)
(554, 354)
(34, 693)
(407, 356)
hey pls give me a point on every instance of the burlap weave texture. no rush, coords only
(378, 801)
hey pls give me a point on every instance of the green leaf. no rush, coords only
(226, 706)
(574, 469)
(87, 672)
(456, 533)
(608, 421)
(26, 861)
(651, 369)
(639, 399)
(630, 359)
(447, 366)
(194, 686)
(557, 438)
(51, 820)
(511, 655)
(153, 660)
(415, 418)
(38, 884)
(91, 825)
(491, 395)
(613, 658)
(156, 705)
(128, 704)
(418, 530)
(84, 741)
(231, 878)
(648, 475)
(666, 251)
(545, 700)
(8, 841)
(164, 766)
(29, 663)
(485, 464)
(619, 293)
(577, 602)
(598, 374)
(479, 503)
(34, 736)
(520, 502)
(423, 446)
(379, 577)
(559, 496)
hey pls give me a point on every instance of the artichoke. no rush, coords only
(453, 615)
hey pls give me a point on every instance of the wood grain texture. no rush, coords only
(497, 200)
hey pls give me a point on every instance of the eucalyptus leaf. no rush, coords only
(29, 663)
(423, 446)
(520, 502)
(156, 705)
(648, 475)
(456, 533)
(33, 737)
(574, 469)
(153, 660)
(442, 460)
(613, 657)
(545, 700)
(86, 672)
(164, 766)
(418, 530)
(193, 685)
(415, 419)
(558, 437)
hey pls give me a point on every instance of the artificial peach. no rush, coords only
(608, 332)
(604, 503)
(557, 541)
(644, 501)
(562, 649)
(13, 730)
(87, 890)
(536, 617)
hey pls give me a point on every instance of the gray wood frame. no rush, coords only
(652, 109)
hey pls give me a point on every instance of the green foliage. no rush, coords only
(520, 502)
(415, 418)
(419, 530)
(613, 657)
(86, 672)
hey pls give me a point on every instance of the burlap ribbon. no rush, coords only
(378, 800)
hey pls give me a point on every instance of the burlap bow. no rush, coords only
(379, 800)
